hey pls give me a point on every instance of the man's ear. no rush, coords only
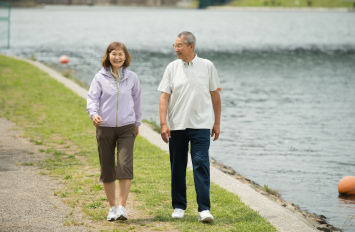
(192, 47)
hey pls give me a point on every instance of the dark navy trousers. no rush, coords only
(178, 149)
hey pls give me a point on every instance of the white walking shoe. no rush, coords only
(178, 213)
(121, 213)
(205, 216)
(112, 214)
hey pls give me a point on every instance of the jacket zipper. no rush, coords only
(117, 107)
(118, 96)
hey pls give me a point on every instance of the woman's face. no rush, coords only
(117, 58)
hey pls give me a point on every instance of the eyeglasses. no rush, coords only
(178, 45)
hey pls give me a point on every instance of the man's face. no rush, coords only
(183, 50)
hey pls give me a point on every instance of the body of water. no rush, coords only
(288, 78)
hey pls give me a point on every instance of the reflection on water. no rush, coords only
(288, 98)
(347, 201)
(347, 204)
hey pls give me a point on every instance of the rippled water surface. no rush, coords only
(288, 83)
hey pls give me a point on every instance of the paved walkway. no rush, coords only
(285, 220)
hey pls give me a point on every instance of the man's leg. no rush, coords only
(200, 144)
(178, 149)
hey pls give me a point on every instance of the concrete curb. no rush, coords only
(285, 220)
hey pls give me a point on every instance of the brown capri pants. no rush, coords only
(107, 140)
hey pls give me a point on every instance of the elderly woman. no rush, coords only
(114, 105)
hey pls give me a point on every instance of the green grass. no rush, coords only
(27, 163)
(290, 3)
(70, 74)
(269, 190)
(55, 117)
(195, 4)
(68, 177)
(155, 126)
(349, 223)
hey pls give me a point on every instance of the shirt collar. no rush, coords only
(192, 62)
(119, 71)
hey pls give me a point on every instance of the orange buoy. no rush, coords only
(220, 88)
(346, 185)
(64, 59)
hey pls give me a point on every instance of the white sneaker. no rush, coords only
(205, 216)
(121, 213)
(112, 214)
(178, 213)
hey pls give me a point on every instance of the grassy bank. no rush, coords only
(54, 118)
(291, 3)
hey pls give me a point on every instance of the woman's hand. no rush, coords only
(137, 130)
(96, 120)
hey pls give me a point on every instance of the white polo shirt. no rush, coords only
(189, 86)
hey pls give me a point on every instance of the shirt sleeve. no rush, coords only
(165, 84)
(93, 98)
(214, 80)
(136, 96)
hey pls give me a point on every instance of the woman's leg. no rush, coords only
(106, 141)
(110, 189)
(124, 169)
(124, 185)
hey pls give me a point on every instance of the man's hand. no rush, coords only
(96, 120)
(163, 108)
(216, 103)
(216, 130)
(165, 133)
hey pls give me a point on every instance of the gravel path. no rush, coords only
(26, 197)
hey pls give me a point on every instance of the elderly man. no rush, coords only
(189, 97)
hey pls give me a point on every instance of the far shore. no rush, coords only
(221, 7)
(278, 8)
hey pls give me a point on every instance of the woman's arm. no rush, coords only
(93, 99)
(136, 96)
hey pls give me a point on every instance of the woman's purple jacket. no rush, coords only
(116, 109)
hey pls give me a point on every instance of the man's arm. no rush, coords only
(216, 102)
(163, 108)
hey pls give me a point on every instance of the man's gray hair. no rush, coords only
(189, 38)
